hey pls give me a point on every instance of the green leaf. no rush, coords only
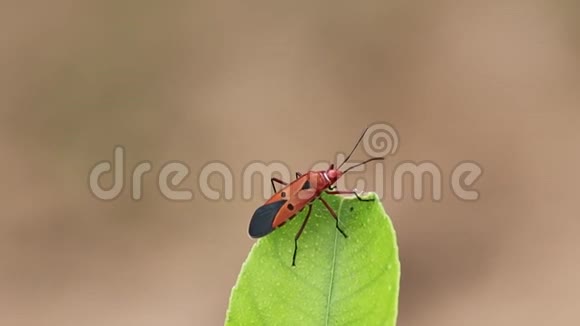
(336, 280)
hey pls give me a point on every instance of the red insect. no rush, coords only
(286, 203)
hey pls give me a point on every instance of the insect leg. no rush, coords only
(333, 215)
(298, 175)
(299, 234)
(348, 192)
(279, 181)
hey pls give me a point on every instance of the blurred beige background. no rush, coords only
(496, 82)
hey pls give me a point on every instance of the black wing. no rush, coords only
(261, 223)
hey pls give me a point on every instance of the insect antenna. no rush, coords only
(355, 146)
(363, 163)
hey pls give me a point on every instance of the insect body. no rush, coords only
(295, 196)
